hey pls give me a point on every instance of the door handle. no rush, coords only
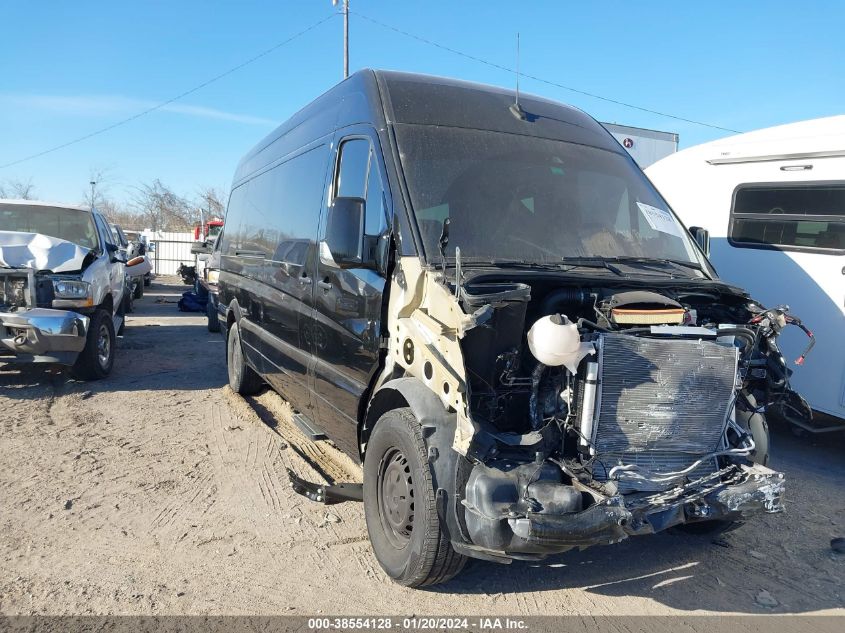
(325, 285)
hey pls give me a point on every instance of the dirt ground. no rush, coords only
(158, 491)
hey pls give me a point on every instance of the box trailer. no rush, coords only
(645, 146)
(773, 201)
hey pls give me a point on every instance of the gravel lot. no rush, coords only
(158, 491)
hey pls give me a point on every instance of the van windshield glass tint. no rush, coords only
(511, 197)
(65, 224)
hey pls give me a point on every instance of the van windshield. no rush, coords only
(529, 199)
(71, 225)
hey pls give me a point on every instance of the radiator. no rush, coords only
(661, 404)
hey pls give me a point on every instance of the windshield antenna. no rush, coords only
(515, 108)
(444, 242)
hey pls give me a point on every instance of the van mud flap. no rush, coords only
(324, 493)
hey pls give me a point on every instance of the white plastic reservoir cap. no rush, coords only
(554, 341)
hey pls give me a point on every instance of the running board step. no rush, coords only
(307, 427)
(322, 493)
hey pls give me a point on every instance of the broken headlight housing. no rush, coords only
(71, 289)
(13, 292)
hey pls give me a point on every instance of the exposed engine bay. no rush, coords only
(595, 411)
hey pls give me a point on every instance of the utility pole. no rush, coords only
(93, 184)
(345, 36)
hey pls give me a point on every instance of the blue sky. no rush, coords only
(69, 69)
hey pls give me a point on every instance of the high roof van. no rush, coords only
(483, 299)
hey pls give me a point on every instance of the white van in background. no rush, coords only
(773, 201)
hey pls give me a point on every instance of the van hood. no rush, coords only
(40, 252)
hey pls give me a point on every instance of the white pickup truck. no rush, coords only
(63, 287)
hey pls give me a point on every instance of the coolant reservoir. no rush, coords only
(554, 341)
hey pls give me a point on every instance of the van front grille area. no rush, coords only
(662, 405)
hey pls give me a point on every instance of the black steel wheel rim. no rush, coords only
(396, 497)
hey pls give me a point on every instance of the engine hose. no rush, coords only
(630, 470)
(563, 296)
(533, 402)
(740, 332)
(593, 326)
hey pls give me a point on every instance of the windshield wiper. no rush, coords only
(662, 260)
(564, 265)
(593, 262)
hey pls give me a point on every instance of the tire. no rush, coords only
(242, 378)
(400, 506)
(148, 280)
(126, 307)
(139, 289)
(213, 319)
(755, 424)
(128, 303)
(96, 360)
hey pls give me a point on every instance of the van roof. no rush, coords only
(389, 97)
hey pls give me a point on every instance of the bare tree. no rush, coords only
(20, 189)
(162, 209)
(125, 217)
(212, 201)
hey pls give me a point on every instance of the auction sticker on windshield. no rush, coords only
(659, 219)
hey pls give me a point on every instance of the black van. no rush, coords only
(485, 300)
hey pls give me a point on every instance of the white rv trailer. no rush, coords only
(773, 201)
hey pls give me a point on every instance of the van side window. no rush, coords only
(376, 220)
(796, 216)
(284, 207)
(274, 216)
(230, 243)
(354, 164)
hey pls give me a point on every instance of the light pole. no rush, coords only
(345, 36)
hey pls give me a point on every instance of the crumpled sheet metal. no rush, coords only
(39, 252)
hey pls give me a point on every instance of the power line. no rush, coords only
(486, 62)
(173, 99)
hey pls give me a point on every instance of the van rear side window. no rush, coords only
(792, 217)
(274, 216)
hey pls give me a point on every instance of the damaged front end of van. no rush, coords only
(575, 414)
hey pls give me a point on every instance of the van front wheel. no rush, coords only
(400, 506)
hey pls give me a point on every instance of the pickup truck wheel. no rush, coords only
(128, 304)
(139, 289)
(211, 313)
(95, 361)
(148, 280)
(242, 377)
(400, 506)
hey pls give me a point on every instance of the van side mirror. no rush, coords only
(702, 237)
(345, 233)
